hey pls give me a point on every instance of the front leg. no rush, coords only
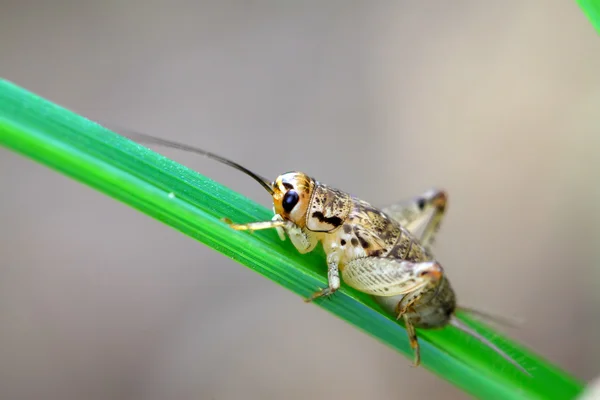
(302, 241)
(333, 278)
(280, 230)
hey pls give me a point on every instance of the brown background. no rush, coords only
(495, 101)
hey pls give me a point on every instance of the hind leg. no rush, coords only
(421, 215)
(397, 286)
(403, 309)
(396, 306)
(414, 342)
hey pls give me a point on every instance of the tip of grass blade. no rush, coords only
(591, 9)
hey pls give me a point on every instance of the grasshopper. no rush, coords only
(385, 252)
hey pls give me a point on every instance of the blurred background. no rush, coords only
(494, 101)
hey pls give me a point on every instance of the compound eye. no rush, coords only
(290, 200)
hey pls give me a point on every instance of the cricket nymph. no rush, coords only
(384, 252)
(376, 251)
(371, 250)
(352, 230)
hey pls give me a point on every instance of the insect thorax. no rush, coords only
(329, 208)
(353, 228)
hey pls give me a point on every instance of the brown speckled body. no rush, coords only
(367, 232)
(369, 247)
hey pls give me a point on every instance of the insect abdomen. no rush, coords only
(431, 311)
(382, 236)
(407, 248)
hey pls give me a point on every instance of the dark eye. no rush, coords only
(290, 200)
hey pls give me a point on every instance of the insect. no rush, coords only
(385, 252)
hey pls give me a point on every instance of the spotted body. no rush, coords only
(385, 252)
(371, 250)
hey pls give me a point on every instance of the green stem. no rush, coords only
(194, 205)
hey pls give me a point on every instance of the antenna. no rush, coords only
(472, 332)
(148, 139)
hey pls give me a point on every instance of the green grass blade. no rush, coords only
(591, 8)
(143, 179)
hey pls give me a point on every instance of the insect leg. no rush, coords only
(388, 277)
(279, 229)
(256, 226)
(403, 308)
(421, 215)
(396, 284)
(414, 342)
(333, 278)
(301, 241)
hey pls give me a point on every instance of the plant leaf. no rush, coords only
(591, 8)
(194, 205)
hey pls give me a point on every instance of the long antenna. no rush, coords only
(513, 323)
(148, 139)
(472, 332)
